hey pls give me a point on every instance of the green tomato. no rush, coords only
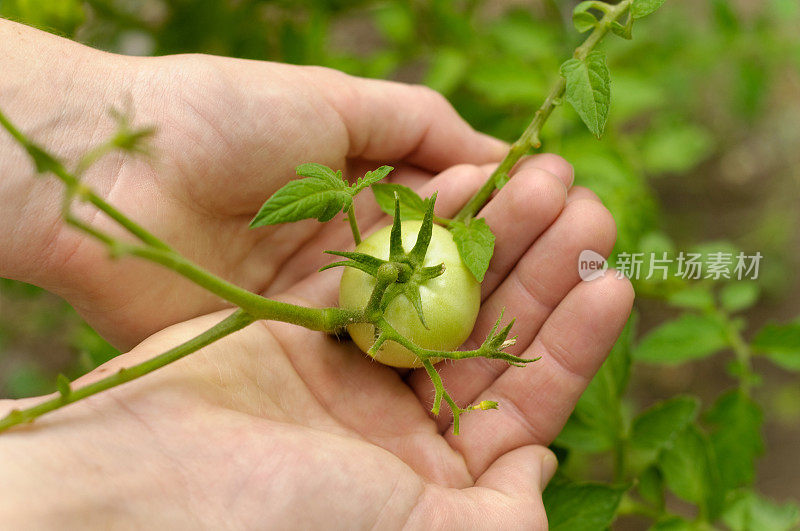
(450, 302)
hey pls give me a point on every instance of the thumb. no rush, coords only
(525, 471)
(507, 496)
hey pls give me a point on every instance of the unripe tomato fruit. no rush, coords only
(450, 302)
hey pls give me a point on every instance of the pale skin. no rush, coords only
(276, 425)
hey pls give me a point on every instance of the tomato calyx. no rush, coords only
(403, 273)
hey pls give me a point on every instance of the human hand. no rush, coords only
(230, 132)
(280, 424)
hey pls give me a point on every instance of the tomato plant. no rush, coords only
(494, 70)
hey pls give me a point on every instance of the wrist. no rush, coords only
(57, 92)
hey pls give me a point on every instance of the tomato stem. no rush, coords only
(530, 137)
(351, 217)
(236, 321)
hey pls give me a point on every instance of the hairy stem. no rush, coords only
(438, 386)
(351, 217)
(234, 322)
(155, 250)
(441, 393)
(530, 137)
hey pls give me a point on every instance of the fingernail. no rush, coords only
(549, 466)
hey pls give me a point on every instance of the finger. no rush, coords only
(580, 192)
(525, 471)
(549, 270)
(537, 284)
(518, 215)
(550, 162)
(507, 496)
(386, 120)
(536, 401)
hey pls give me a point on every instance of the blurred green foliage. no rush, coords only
(699, 155)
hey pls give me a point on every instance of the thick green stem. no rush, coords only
(325, 319)
(134, 228)
(234, 322)
(530, 137)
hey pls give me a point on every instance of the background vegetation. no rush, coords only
(700, 398)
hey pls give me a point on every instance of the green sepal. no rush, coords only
(346, 263)
(427, 273)
(417, 254)
(411, 292)
(496, 341)
(389, 295)
(361, 258)
(364, 262)
(396, 251)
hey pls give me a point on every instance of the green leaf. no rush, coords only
(675, 148)
(507, 80)
(589, 89)
(694, 297)
(676, 523)
(736, 437)
(657, 427)
(370, 178)
(642, 8)
(581, 506)
(396, 22)
(689, 470)
(738, 296)
(650, 486)
(747, 511)
(412, 206)
(318, 171)
(447, 70)
(688, 337)
(780, 343)
(475, 243)
(582, 19)
(626, 31)
(62, 16)
(522, 36)
(321, 195)
(585, 436)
